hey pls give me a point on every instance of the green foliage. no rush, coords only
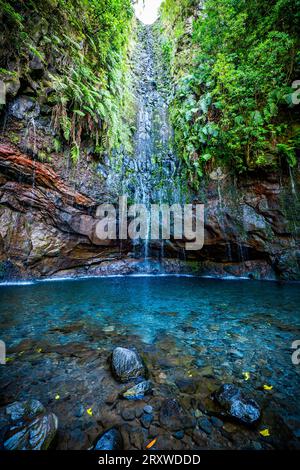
(87, 44)
(232, 97)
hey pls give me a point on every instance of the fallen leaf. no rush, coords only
(57, 397)
(265, 432)
(89, 411)
(39, 350)
(151, 443)
(246, 375)
(268, 387)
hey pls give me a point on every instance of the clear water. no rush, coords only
(203, 326)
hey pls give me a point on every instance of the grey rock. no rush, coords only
(37, 435)
(205, 425)
(19, 411)
(218, 423)
(173, 417)
(179, 435)
(79, 411)
(128, 414)
(24, 107)
(126, 364)
(148, 409)
(237, 405)
(12, 86)
(110, 440)
(36, 64)
(146, 420)
(138, 391)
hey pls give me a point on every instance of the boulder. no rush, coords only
(173, 417)
(237, 405)
(38, 434)
(126, 364)
(138, 391)
(27, 410)
(24, 107)
(110, 440)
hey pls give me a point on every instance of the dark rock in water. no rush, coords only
(36, 66)
(237, 405)
(37, 435)
(148, 409)
(110, 440)
(187, 385)
(79, 411)
(139, 411)
(218, 423)
(146, 420)
(126, 364)
(173, 417)
(138, 391)
(179, 435)
(24, 107)
(27, 410)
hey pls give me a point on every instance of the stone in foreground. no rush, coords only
(237, 405)
(172, 416)
(36, 435)
(110, 440)
(138, 391)
(126, 364)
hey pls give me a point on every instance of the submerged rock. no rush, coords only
(146, 420)
(237, 405)
(24, 107)
(126, 364)
(138, 391)
(36, 435)
(110, 440)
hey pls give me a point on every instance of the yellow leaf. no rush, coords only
(57, 397)
(39, 350)
(265, 432)
(151, 443)
(89, 411)
(246, 375)
(268, 387)
(8, 359)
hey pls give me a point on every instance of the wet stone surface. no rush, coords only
(60, 344)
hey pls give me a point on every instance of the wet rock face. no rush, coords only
(138, 391)
(31, 427)
(24, 107)
(126, 364)
(19, 411)
(173, 417)
(237, 405)
(110, 440)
